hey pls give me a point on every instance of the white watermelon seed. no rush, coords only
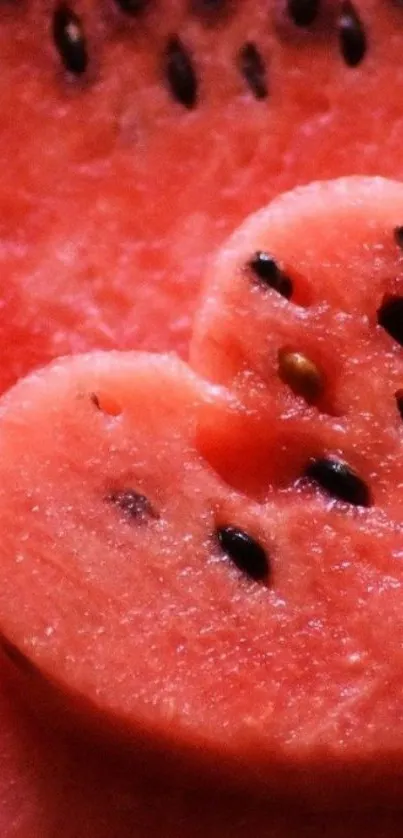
(301, 374)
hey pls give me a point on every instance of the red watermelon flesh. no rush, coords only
(50, 786)
(266, 654)
(113, 195)
(298, 298)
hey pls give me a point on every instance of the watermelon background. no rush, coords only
(109, 210)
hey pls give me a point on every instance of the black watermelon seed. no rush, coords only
(268, 272)
(253, 69)
(180, 73)
(246, 553)
(390, 317)
(303, 12)
(70, 40)
(132, 7)
(398, 235)
(339, 480)
(352, 37)
(132, 503)
(399, 401)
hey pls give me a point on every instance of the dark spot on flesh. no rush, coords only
(399, 401)
(246, 553)
(398, 236)
(352, 37)
(133, 504)
(180, 73)
(210, 10)
(303, 12)
(253, 70)
(17, 658)
(301, 374)
(268, 272)
(132, 7)
(69, 39)
(390, 317)
(339, 480)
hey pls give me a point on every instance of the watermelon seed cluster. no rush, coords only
(398, 233)
(246, 553)
(179, 67)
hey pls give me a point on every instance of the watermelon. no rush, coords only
(235, 547)
(51, 786)
(69, 289)
(110, 203)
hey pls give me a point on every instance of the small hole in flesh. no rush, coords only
(301, 374)
(339, 480)
(180, 73)
(106, 404)
(390, 317)
(303, 12)
(133, 504)
(253, 70)
(352, 37)
(246, 553)
(265, 268)
(69, 39)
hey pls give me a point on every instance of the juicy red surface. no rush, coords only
(53, 786)
(54, 176)
(113, 197)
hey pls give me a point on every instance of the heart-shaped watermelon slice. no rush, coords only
(216, 572)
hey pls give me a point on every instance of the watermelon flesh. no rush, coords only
(336, 246)
(105, 230)
(88, 784)
(273, 674)
(50, 786)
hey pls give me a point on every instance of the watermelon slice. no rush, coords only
(50, 786)
(111, 205)
(220, 632)
(301, 317)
